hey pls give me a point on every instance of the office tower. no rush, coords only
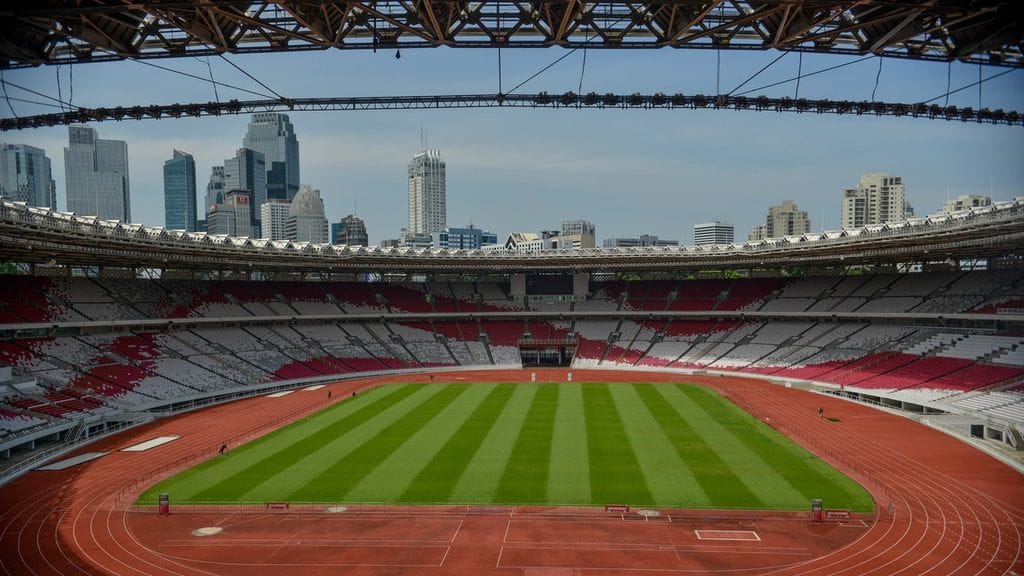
(247, 171)
(350, 231)
(25, 176)
(306, 222)
(428, 209)
(96, 175)
(180, 192)
(643, 240)
(467, 238)
(784, 219)
(878, 199)
(713, 233)
(214, 189)
(274, 219)
(232, 217)
(578, 234)
(966, 202)
(273, 135)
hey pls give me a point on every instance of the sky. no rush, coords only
(629, 172)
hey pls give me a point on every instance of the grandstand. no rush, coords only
(92, 348)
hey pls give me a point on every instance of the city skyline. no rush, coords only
(631, 173)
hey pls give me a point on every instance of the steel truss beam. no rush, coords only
(541, 100)
(59, 32)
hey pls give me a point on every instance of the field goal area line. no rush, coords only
(730, 535)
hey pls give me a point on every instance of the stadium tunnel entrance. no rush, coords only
(547, 353)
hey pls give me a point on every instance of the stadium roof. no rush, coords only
(56, 32)
(43, 236)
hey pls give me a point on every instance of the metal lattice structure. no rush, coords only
(568, 100)
(59, 32)
(38, 235)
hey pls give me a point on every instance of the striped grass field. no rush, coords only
(668, 445)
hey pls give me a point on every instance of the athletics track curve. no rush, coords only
(944, 508)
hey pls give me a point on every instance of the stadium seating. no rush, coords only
(106, 370)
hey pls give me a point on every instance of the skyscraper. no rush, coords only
(214, 189)
(247, 171)
(96, 174)
(879, 199)
(786, 220)
(428, 208)
(180, 192)
(965, 202)
(713, 233)
(274, 219)
(350, 231)
(306, 222)
(25, 176)
(273, 135)
(232, 216)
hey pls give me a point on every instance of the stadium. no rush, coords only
(837, 403)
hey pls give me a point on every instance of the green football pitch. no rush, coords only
(668, 445)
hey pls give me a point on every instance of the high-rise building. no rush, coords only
(274, 219)
(232, 216)
(25, 176)
(96, 175)
(642, 240)
(180, 192)
(273, 135)
(713, 233)
(578, 234)
(247, 171)
(214, 189)
(878, 199)
(350, 231)
(782, 220)
(306, 222)
(966, 202)
(468, 238)
(428, 209)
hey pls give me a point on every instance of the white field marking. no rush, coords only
(748, 535)
(73, 461)
(208, 531)
(279, 394)
(311, 388)
(148, 444)
(854, 524)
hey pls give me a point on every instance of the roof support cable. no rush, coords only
(971, 85)
(253, 78)
(3, 84)
(240, 89)
(209, 68)
(808, 75)
(949, 86)
(799, 73)
(877, 77)
(18, 86)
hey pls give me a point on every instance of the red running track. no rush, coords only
(944, 509)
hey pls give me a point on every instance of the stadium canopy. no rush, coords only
(58, 32)
(41, 236)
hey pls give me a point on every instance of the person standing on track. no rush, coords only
(821, 411)
(223, 449)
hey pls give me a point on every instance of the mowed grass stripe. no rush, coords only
(336, 481)
(750, 467)
(668, 477)
(290, 446)
(716, 483)
(525, 479)
(806, 474)
(390, 478)
(569, 471)
(479, 481)
(244, 465)
(436, 481)
(280, 485)
(615, 475)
